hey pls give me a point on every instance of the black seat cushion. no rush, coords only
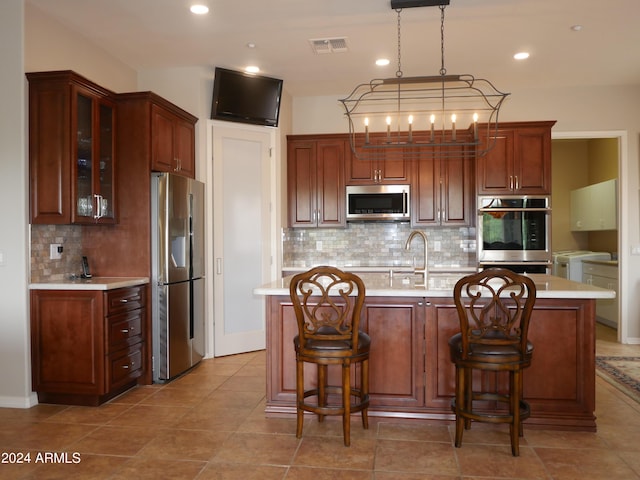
(364, 342)
(489, 353)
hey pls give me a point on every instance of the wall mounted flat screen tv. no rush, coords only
(245, 98)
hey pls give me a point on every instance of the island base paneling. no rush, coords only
(411, 374)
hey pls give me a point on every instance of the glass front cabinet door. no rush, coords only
(72, 165)
(94, 184)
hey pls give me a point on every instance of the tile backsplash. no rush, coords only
(359, 244)
(377, 244)
(43, 269)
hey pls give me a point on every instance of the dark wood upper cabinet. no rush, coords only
(520, 161)
(173, 141)
(315, 177)
(385, 170)
(72, 161)
(442, 189)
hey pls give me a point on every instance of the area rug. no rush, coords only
(621, 372)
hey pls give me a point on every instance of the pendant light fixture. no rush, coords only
(416, 116)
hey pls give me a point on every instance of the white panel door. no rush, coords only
(242, 236)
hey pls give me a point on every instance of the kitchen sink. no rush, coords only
(405, 280)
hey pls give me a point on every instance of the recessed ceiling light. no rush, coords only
(199, 9)
(521, 55)
(576, 28)
(382, 62)
(251, 45)
(252, 69)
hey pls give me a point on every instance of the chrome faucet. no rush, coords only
(424, 270)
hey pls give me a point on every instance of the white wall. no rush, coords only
(50, 46)
(15, 384)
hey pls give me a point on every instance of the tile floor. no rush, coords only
(209, 424)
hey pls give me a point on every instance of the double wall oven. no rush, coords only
(514, 232)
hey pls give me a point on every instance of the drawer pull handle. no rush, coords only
(125, 366)
(125, 330)
(124, 300)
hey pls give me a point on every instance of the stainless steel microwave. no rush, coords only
(378, 202)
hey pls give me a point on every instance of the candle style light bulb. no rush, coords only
(433, 121)
(475, 126)
(453, 127)
(366, 130)
(388, 129)
(410, 127)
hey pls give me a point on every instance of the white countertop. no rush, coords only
(612, 263)
(374, 268)
(441, 285)
(95, 283)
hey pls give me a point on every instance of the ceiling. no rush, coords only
(481, 37)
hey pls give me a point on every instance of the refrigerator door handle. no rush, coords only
(219, 266)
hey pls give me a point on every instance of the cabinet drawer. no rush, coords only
(609, 271)
(125, 365)
(124, 299)
(124, 329)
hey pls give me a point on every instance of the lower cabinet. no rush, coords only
(396, 328)
(604, 276)
(411, 374)
(87, 346)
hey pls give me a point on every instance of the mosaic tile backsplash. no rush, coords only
(43, 269)
(360, 244)
(377, 244)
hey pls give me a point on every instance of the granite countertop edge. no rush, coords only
(378, 285)
(94, 283)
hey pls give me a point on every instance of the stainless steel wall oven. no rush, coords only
(515, 232)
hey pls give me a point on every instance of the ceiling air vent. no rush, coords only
(328, 45)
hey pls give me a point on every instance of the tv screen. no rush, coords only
(246, 98)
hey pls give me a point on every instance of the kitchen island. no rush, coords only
(411, 375)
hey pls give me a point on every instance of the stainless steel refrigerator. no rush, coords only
(177, 245)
